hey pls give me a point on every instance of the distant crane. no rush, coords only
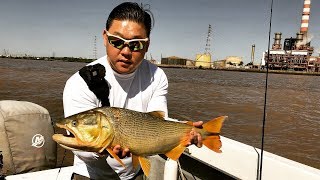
(95, 48)
(207, 48)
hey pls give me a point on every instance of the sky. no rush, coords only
(68, 27)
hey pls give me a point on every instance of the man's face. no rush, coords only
(125, 60)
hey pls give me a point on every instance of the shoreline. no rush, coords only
(189, 67)
(243, 70)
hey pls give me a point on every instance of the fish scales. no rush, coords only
(144, 133)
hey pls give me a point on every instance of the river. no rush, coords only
(292, 114)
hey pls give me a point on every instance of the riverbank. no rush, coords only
(243, 70)
(254, 70)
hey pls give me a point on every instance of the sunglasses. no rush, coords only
(133, 44)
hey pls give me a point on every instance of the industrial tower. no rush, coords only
(204, 60)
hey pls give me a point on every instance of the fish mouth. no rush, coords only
(67, 140)
(71, 142)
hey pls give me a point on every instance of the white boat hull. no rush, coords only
(237, 160)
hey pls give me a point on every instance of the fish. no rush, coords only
(145, 134)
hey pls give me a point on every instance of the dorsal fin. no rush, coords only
(159, 114)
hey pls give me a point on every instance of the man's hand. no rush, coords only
(122, 153)
(195, 138)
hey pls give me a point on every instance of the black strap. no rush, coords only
(93, 75)
(1, 166)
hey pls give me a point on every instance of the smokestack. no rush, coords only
(277, 41)
(305, 17)
(252, 53)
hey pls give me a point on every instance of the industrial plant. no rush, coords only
(296, 53)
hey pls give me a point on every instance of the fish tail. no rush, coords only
(213, 127)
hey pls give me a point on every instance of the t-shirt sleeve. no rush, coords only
(77, 97)
(158, 101)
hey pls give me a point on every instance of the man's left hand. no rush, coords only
(195, 137)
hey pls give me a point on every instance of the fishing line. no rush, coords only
(64, 155)
(259, 175)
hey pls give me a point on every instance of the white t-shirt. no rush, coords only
(143, 90)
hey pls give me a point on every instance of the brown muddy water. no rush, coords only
(293, 102)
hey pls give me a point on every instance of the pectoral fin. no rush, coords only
(176, 152)
(145, 165)
(135, 161)
(115, 156)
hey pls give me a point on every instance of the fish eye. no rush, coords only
(74, 123)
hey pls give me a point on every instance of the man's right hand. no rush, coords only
(122, 153)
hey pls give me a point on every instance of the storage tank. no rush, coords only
(203, 60)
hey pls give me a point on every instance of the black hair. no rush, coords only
(133, 12)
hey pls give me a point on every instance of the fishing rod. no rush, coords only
(259, 174)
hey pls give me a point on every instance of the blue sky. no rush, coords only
(68, 28)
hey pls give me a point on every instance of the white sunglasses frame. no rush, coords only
(126, 41)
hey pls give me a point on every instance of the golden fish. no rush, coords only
(144, 134)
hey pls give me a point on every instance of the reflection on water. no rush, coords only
(293, 102)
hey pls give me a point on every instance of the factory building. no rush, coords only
(233, 61)
(228, 62)
(174, 60)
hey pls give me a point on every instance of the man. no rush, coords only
(133, 83)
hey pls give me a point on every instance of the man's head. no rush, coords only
(126, 36)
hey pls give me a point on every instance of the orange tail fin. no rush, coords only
(214, 126)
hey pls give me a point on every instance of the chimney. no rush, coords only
(305, 17)
(252, 53)
(277, 41)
